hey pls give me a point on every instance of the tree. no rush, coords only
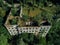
(2, 12)
(21, 42)
(53, 37)
(14, 10)
(4, 31)
(3, 40)
(25, 17)
(13, 21)
(1, 20)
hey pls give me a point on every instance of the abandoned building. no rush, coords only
(27, 26)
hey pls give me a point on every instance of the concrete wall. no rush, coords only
(12, 29)
(43, 30)
(28, 29)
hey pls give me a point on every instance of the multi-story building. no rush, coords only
(29, 26)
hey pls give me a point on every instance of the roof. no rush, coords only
(46, 23)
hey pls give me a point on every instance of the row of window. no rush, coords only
(22, 30)
(28, 31)
(25, 31)
(11, 28)
(45, 28)
(28, 28)
(34, 28)
(13, 32)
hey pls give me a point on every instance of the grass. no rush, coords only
(32, 12)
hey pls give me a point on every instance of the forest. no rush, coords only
(51, 10)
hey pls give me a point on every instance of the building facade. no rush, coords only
(15, 30)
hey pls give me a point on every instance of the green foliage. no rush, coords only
(1, 20)
(37, 17)
(26, 39)
(4, 31)
(3, 40)
(4, 35)
(21, 42)
(13, 11)
(13, 21)
(54, 34)
(2, 12)
(31, 39)
(25, 17)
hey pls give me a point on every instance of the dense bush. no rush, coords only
(53, 37)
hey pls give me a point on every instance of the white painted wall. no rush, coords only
(12, 29)
(42, 29)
